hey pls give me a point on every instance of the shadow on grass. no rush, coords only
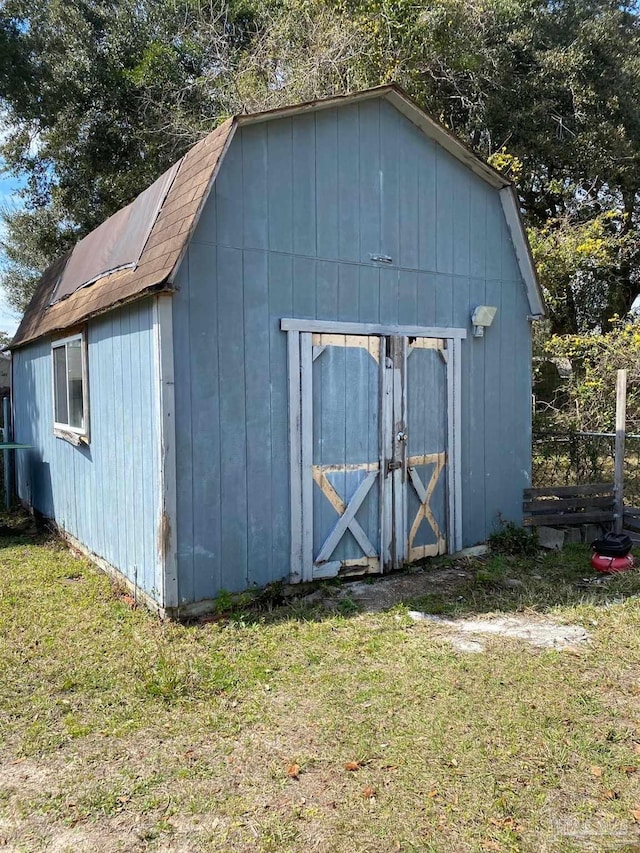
(18, 527)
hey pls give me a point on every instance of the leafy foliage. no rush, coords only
(513, 540)
(573, 258)
(591, 389)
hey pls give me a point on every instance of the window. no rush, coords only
(69, 392)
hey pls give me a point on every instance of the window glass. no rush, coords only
(60, 384)
(68, 396)
(74, 378)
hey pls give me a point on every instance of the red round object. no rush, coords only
(609, 565)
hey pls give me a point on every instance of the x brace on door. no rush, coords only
(346, 512)
(424, 496)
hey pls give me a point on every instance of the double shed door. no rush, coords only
(374, 445)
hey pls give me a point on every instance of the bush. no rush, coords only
(513, 540)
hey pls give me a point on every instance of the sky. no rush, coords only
(9, 187)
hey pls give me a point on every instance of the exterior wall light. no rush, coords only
(481, 318)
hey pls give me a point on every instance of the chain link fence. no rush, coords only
(574, 458)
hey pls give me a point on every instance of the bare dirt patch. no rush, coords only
(383, 593)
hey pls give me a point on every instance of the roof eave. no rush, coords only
(161, 287)
(511, 208)
(212, 179)
(438, 132)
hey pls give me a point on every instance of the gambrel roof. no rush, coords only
(171, 224)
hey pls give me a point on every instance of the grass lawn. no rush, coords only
(119, 732)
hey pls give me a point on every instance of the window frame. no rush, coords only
(62, 430)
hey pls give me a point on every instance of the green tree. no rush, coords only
(98, 98)
(568, 106)
(591, 390)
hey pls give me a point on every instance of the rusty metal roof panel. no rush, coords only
(118, 242)
(163, 249)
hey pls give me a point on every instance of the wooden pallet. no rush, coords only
(631, 523)
(568, 505)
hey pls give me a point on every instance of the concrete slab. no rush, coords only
(591, 532)
(460, 644)
(540, 632)
(551, 538)
(572, 535)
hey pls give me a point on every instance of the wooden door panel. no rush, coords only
(426, 427)
(345, 453)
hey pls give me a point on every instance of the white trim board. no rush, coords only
(166, 536)
(290, 324)
(295, 452)
(511, 209)
(392, 409)
(454, 448)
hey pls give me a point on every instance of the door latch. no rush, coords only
(393, 465)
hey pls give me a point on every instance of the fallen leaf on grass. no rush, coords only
(433, 793)
(610, 794)
(352, 766)
(368, 792)
(504, 822)
(635, 813)
(487, 844)
(636, 748)
(595, 771)
(293, 771)
(629, 769)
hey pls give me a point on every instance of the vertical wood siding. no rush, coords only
(105, 494)
(298, 209)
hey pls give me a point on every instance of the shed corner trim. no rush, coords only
(511, 210)
(166, 525)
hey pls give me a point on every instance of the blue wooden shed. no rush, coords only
(304, 352)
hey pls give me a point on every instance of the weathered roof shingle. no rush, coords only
(162, 252)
